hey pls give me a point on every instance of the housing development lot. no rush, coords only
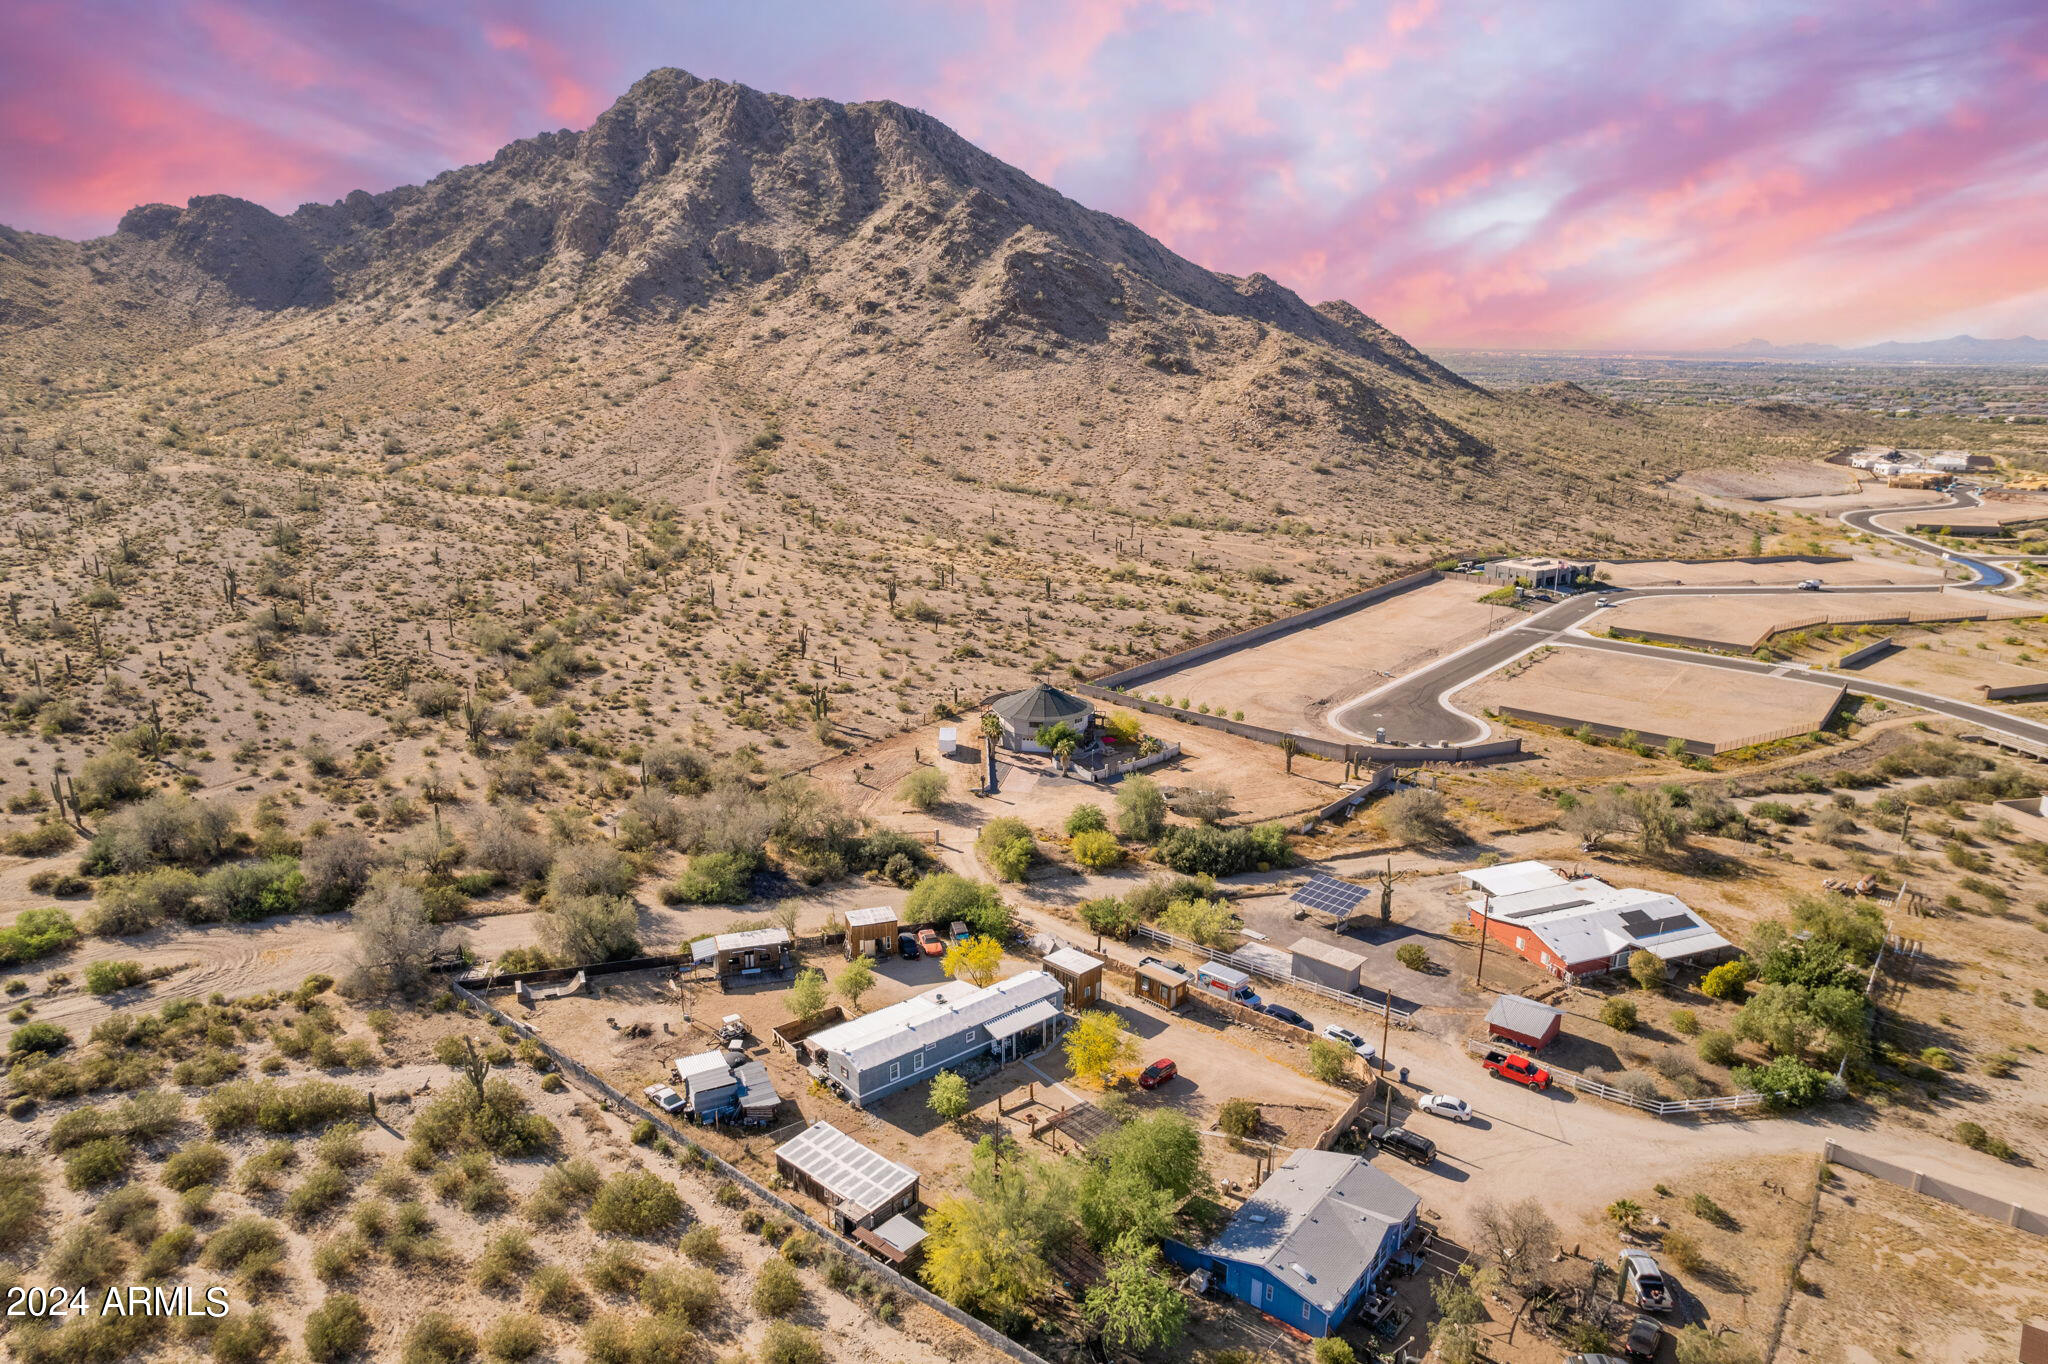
(1742, 623)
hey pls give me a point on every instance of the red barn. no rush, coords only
(1523, 1022)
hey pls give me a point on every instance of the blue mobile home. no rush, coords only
(1309, 1245)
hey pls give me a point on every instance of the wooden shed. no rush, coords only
(1523, 1022)
(860, 1186)
(753, 954)
(1161, 986)
(870, 932)
(1080, 973)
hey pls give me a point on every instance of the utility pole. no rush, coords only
(1386, 1081)
(1485, 919)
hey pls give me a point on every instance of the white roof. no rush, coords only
(858, 1177)
(902, 1028)
(868, 918)
(902, 1233)
(1328, 953)
(1510, 877)
(1587, 919)
(1073, 960)
(703, 1064)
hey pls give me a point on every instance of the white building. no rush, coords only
(1573, 927)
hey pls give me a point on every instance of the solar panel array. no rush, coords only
(1328, 895)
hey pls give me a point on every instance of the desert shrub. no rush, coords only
(589, 928)
(1140, 808)
(1238, 1118)
(1685, 1022)
(924, 789)
(130, 1212)
(167, 1254)
(438, 1338)
(336, 1329)
(1421, 817)
(1712, 1213)
(554, 1290)
(84, 1256)
(105, 977)
(1007, 847)
(786, 1343)
(777, 1289)
(505, 1261)
(944, 897)
(589, 869)
(168, 830)
(700, 1243)
(336, 868)
(1085, 818)
(37, 1037)
(1785, 1082)
(617, 1270)
(245, 1338)
(339, 1256)
(1204, 850)
(1108, 916)
(96, 1162)
(515, 1338)
(1619, 1014)
(1729, 980)
(689, 1295)
(243, 892)
(1096, 849)
(1413, 955)
(635, 1203)
(22, 1201)
(244, 1247)
(324, 1186)
(1974, 1136)
(573, 1181)
(713, 878)
(279, 1107)
(46, 837)
(498, 1120)
(36, 933)
(1682, 1250)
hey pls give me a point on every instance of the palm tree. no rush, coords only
(991, 728)
(1060, 739)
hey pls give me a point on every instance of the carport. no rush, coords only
(1026, 1031)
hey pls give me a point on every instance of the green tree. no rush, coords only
(1099, 1047)
(1729, 980)
(1208, 922)
(1619, 1014)
(1060, 739)
(1140, 808)
(1085, 818)
(1646, 969)
(1328, 1061)
(1412, 955)
(1096, 849)
(856, 980)
(1108, 916)
(1786, 1082)
(807, 994)
(987, 1251)
(1134, 1305)
(1007, 846)
(1139, 1176)
(976, 960)
(948, 1096)
(945, 896)
(924, 789)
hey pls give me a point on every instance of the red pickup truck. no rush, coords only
(1520, 1069)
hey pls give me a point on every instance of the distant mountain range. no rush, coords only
(1956, 350)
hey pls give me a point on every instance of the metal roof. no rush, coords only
(1511, 877)
(1587, 919)
(902, 1233)
(1317, 1223)
(917, 1022)
(1040, 705)
(1073, 961)
(859, 1178)
(1017, 1022)
(869, 918)
(1328, 953)
(703, 1063)
(1524, 1016)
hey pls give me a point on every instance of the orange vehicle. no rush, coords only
(1520, 1069)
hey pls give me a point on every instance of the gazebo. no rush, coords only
(1024, 713)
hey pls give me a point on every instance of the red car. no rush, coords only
(1157, 1074)
(929, 940)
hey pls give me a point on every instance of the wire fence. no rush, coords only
(910, 1288)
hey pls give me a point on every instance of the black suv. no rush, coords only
(907, 948)
(1403, 1143)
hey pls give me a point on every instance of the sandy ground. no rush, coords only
(1742, 573)
(1290, 682)
(1998, 512)
(1775, 478)
(1745, 622)
(1932, 663)
(1898, 1276)
(1726, 709)
(1868, 496)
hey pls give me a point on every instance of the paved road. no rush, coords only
(1415, 709)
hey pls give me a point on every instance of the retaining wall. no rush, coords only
(2017, 689)
(1864, 654)
(1700, 747)
(1997, 1209)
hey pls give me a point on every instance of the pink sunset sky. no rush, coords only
(1565, 173)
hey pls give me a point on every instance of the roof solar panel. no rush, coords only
(1328, 895)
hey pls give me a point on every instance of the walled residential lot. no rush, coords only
(1746, 573)
(1742, 623)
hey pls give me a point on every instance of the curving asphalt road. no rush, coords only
(1415, 709)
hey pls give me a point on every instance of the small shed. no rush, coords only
(897, 1240)
(949, 741)
(1167, 989)
(757, 951)
(1523, 1022)
(860, 1186)
(870, 932)
(1327, 964)
(1080, 973)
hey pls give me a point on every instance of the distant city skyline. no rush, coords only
(1602, 174)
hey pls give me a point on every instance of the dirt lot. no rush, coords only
(1290, 682)
(1745, 622)
(1743, 573)
(1773, 478)
(1653, 696)
(1998, 512)
(1894, 1275)
(1867, 496)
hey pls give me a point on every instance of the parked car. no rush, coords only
(1603, 601)
(907, 948)
(1642, 1282)
(1401, 1142)
(1645, 1338)
(1444, 1106)
(1810, 585)
(933, 945)
(1163, 964)
(664, 1098)
(1286, 1015)
(1157, 1074)
(1367, 1052)
(1520, 1069)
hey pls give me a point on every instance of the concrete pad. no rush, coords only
(1657, 698)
